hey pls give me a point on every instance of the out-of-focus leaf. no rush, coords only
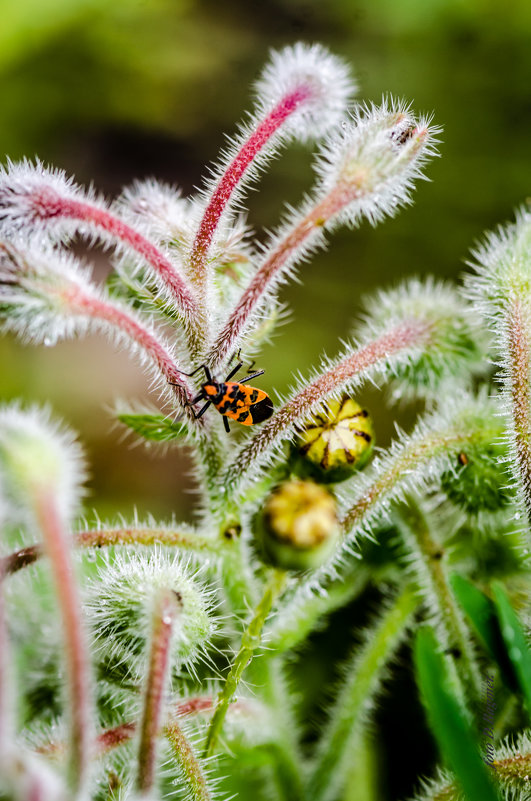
(515, 640)
(457, 741)
(482, 614)
(154, 427)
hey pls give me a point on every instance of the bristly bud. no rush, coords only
(335, 442)
(120, 604)
(478, 481)
(320, 79)
(369, 165)
(298, 526)
(454, 347)
(37, 455)
(501, 290)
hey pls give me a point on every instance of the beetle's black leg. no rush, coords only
(196, 399)
(233, 372)
(226, 424)
(251, 366)
(204, 367)
(201, 412)
(250, 377)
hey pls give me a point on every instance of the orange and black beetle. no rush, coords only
(233, 399)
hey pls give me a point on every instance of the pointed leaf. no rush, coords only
(154, 427)
(457, 741)
(515, 639)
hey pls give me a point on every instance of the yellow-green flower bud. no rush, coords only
(336, 442)
(299, 525)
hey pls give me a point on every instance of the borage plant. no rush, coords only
(149, 685)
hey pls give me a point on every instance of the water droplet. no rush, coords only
(47, 342)
(516, 653)
(517, 516)
(91, 556)
(166, 619)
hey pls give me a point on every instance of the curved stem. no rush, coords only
(363, 680)
(519, 378)
(101, 538)
(119, 230)
(233, 176)
(250, 642)
(300, 406)
(301, 236)
(165, 611)
(77, 658)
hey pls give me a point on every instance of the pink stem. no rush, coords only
(520, 393)
(301, 235)
(52, 205)
(298, 408)
(77, 657)
(164, 614)
(120, 319)
(5, 682)
(236, 171)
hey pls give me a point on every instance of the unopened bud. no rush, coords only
(299, 525)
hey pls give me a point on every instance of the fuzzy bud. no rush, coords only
(120, 606)
(479, 479)
(37, 457)
(454, 345)
(320, 81)
(369, 166)
(299, 525)
(334, 443)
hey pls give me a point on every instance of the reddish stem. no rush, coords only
(520, 392)
(235, 172)
(77, 657)
(403, 336)
(164, 613)
(52, 206)
(120, 319)
(301, 235)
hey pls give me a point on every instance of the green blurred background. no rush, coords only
(137, 88)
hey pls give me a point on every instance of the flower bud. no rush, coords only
(479, 479)
(299, 525)
(334, 443)
(120, 605)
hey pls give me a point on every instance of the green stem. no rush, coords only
(101, 538)
(431, 575)
(250, 642)
(347, 720)
(189, 764)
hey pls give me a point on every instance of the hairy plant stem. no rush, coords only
(349, 714)
(191, 768)
(6, 694)
(353, 366)
(430, 571)
(146, 340)
(232, 177)
(165, 610)
(77, 658)
(302, 235)
(519, 381)
(122, 232)
(250, 642)
(101, 538)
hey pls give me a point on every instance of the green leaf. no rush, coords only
(481, 612)
(457, 741)
(154, 427)
(515, 640)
